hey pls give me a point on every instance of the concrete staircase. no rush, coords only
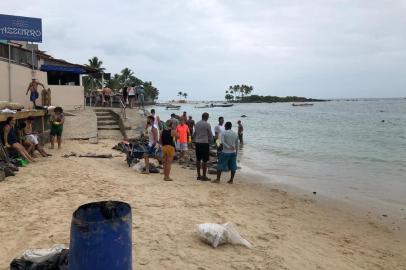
(108, 126)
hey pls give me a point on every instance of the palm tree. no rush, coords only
(91, 82)
(228, 97)
(126, 77)
(242, 90)
(250, 89)
(95, 63)
(185, 95)
(236, 90)
(114, 82)
(180, 94)
(151, 92)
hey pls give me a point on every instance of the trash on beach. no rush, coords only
(41, 255)
(94, 155)
(140, 167)
(218, 234)
(54, 258)
(71, 154)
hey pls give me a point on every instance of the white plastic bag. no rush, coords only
(41, 255)
(218, 234)
(139, 167)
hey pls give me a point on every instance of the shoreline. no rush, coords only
(361, 208)
(391, 215)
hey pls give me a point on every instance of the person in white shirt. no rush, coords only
(131, 96)
(219, 129)
(218, 132)
(157, 120)
(152, 142)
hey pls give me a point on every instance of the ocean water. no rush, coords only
(349, 150)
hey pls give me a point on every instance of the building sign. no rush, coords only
(20, 28)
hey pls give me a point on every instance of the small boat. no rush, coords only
(302, 104)
(173, 107)
(202, 106)
(162, 104)
(221, 105)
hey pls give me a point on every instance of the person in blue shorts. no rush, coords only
(228, 155)
(33, 89)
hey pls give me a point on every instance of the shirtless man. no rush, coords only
(240, 131)
(33, 88)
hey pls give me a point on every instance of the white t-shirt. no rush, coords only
(131, 91)
(150, 136)
(219, 130)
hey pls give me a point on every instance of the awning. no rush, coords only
(76, 70)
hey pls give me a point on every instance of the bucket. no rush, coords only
(101, 237)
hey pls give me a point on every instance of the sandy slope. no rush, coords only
(288, 232)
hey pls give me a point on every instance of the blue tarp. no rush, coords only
(76, 70)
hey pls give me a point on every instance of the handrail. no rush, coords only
(123, 107)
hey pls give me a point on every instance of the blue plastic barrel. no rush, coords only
(100, 237)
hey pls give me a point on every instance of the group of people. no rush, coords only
(25, 140)
(134, 95)
(181, 132)
(226, 142)
(164, 138)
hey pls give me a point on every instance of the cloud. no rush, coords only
(319, 48)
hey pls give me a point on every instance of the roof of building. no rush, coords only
(51, 61)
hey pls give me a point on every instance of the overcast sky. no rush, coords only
(318, 48)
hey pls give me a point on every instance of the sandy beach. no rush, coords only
(287, 231)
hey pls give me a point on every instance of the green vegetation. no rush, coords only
(238, 92)
(92, 82)
(241, 93)
(116, 82)
(182, 94)
(270, 99)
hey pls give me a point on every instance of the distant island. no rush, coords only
(242, 94)
(271, 99)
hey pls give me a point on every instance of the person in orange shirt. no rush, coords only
(182, 133)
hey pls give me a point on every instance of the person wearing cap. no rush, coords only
(33, 89)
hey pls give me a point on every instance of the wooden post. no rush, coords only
(43, 124)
